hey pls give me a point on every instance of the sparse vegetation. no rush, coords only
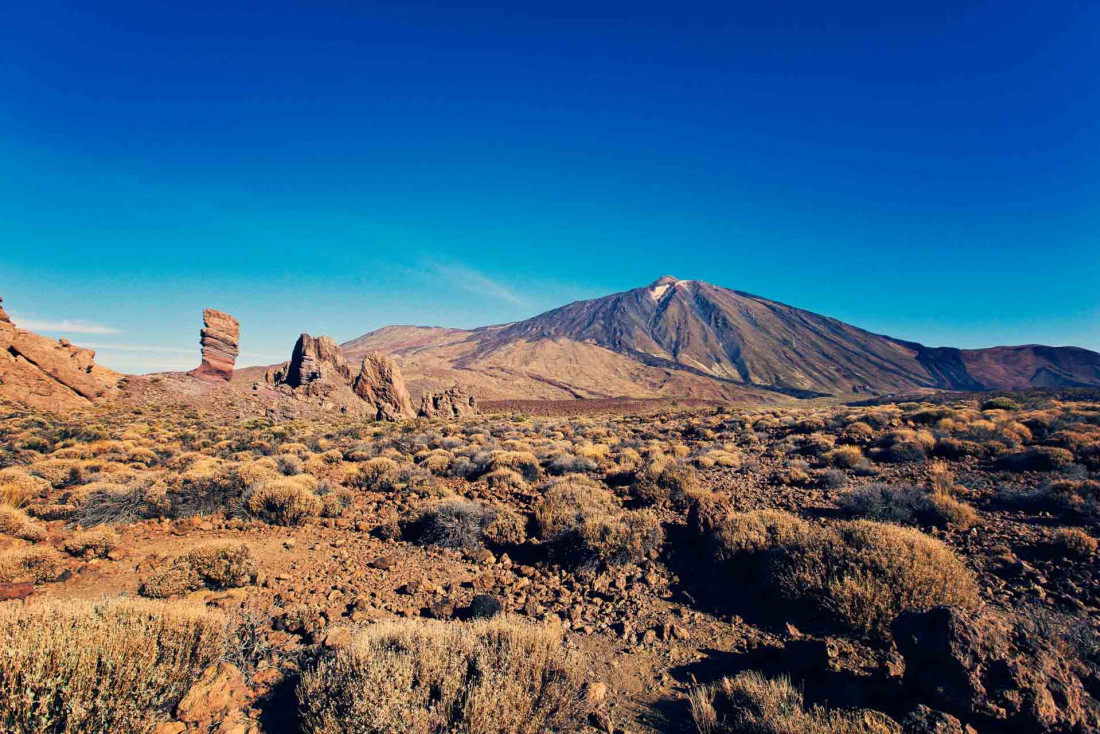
(101, 666)
(497, 676)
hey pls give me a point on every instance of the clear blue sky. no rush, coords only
(929, 170)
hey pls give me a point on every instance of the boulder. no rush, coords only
(220, 695)
(381, 385)
(448, 404)
(49, 374)
(990, 669)
(219, 338)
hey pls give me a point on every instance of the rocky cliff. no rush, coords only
(49, 374)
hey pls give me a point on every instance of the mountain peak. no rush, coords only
(664, 280)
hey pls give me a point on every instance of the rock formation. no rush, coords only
(448, 404)
(381, 385)
(317, 369)
(48, 374)
(219, 338)
(316, 365)
(994, 670)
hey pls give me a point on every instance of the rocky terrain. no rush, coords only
(916, 567)
(306, 548)
(687, 338)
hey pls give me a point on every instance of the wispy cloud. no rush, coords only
(141, 348)
(149, 349)
(474, 281)
(67, 326)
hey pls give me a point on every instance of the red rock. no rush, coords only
(381, 385)
(16, 590)
(219, 338)
(218, 696)
(48, 374)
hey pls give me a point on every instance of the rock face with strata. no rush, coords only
(381, 385)
(48, 374)
(316, 365)
(220, 337)
(317, 369)
(449, 404)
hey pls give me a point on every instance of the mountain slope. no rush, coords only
(693, 339)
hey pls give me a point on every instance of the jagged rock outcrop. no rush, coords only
(995, 670)
(317, 369)
(219, 338)
(380, 384)
(316, 364)
(449, 404)
(48, 374)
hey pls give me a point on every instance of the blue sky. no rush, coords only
(927, 170)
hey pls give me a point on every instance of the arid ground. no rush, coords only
(189, 565)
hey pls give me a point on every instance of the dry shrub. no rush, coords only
(506, 528)
(117, 504)
(95, 543)
(107, 666)
(204, 488)
(523, 462)
(505, 480)
(437, 461)
(1073, 543)
(858, 574)
(846, 457)
(59, 472)
(584, 524)
(218, 565)
(1072, 500)
(498, 676)
(336, 502)
(284, 501)
(15, 523)
(1037, 458)
(750, 702)
(39, 563)
(254, 472)
(906, 505)
(456, 523)
(662, 481)
(17, 487)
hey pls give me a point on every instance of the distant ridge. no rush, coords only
(689, 338)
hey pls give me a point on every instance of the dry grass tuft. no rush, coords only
(110, 666)
(750, 702)
(217, 565)
(284, 501)
(498, 676)
(96, 543)
(39, 563)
